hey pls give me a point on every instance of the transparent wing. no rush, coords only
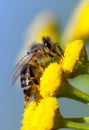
(17, 70)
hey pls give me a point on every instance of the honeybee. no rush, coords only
(30, 68)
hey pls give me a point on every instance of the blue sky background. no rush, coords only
(15, 16)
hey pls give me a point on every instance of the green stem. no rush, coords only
(69, 91)
(74, 125)
(79, 119)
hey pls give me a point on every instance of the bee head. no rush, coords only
(48, 42)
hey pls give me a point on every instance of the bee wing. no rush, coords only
(17, 70)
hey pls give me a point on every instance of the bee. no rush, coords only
(30, 68)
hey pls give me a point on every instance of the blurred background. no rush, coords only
(15, 17)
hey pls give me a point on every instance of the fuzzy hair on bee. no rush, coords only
(30, 68)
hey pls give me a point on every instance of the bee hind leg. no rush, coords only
(26, 100)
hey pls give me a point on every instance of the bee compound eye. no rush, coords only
(47, 42)
(47, 45)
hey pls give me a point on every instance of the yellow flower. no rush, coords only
(44, 24)
(78, 25)
(82, 26)
(49, 30)
(54, 83)
(74, 59)
(45, 116)
(28, 114)
(51, 80)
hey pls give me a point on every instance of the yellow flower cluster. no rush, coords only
(41, 116)
(44, 113)
(27, 115)
(74, 58)
(82, 26)
(78, 25)
(50, 85)
(47, 25)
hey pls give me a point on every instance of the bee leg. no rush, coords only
(61, 50)
(26, 100)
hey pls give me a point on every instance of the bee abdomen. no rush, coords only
(25, 85)
(27, 91)
(24, 81)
